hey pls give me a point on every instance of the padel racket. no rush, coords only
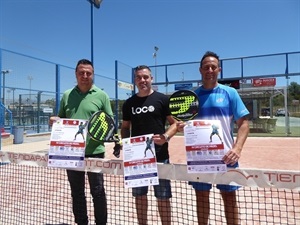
(184, 105)
(101, 127)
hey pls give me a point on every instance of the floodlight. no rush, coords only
(96, 3)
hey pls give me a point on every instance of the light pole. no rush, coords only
(155, 61)
(13, 101)
(30, 78)
(95, 3)
(4, 72)
(8, 96)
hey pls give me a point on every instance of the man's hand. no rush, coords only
(53, 119)
(180, 125)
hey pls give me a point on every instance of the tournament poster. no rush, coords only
(67, 143)
(139, 160)
(204, 146)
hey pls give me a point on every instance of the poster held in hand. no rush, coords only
(67, 143)
(139, 159)
(204, 146)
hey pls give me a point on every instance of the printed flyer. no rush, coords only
(204, 146)
(67, 143)
(139, 159)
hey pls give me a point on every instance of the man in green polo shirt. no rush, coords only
(81, 102)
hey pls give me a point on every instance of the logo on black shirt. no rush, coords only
(144, 109)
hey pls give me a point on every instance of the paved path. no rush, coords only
(258, 152)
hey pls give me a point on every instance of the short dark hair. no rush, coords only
(85, 62)
(208, 54)
(141, 67)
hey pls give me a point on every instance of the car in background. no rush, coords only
(281, 112)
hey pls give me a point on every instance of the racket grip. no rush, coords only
(118, 145)
(117, 149)
(117, 139)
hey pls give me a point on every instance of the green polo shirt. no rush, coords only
(77, 105)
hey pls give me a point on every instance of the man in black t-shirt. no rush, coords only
(146, 112)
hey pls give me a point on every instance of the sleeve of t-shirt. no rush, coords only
(62, 111)
(126, 111)
(238, 107)
(166, 105)
(107, 105)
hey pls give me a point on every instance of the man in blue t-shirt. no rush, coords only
(214, 132)
(223, 103)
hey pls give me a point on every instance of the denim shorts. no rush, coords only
(161, 191)
(199, 186)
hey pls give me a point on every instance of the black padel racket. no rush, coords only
(101, 127)
(184, 105)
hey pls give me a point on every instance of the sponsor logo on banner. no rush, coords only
(186, 86)
(264, 82)
(124, 85)
(47, 110)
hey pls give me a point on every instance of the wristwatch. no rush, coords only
(166, 137)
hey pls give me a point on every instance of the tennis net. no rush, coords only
(34, 194)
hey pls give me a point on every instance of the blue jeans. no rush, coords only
(77, 184)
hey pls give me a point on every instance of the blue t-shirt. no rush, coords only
(221, 103)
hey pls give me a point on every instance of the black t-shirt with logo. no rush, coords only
(148, 116)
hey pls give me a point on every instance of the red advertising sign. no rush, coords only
(264, 82)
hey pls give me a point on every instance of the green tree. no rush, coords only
(294, 91)
(293, 94)
(50, 102)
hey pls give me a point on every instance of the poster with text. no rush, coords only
(140, 167)
(204, 146)
(67, 143)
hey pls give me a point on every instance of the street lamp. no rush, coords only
(30, 78)
(8, 101)
(4, 72)
(95, 3)
(155, 62)
(13, 101)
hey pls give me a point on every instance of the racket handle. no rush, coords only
(117, 139)
(118, 145)
(117, 149)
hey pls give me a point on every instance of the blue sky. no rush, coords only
(127, 30)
